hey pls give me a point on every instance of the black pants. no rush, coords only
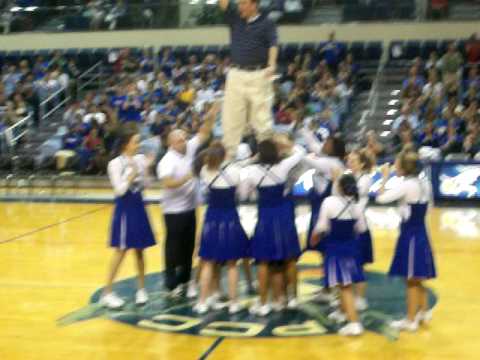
(179, 246)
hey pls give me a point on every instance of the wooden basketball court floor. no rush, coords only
(53, 257)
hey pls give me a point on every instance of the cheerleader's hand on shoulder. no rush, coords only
(385, 169)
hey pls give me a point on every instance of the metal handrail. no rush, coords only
(12, 135)
(98, 64)
(81, 85)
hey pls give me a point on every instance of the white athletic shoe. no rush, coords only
(111, 301)
(235, 307)
(423, 317)
(141, 297)
(292, 304)
(351, 329)
(200, 308)
(324, 296)
(214, 302)
(361, 303)
(335, 303)
(192, 291)
(405, 325)
(338, 316)
(278, 306)
(260, 310)
(218, 305)
(177, 292)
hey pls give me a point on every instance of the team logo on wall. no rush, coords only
(175, 315)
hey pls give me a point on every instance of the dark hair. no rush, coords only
(348, 186)
(338, 147)
(410, 163)
(215, 155)
(268, 152)
(127, 132)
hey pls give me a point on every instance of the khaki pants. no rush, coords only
(248, 102)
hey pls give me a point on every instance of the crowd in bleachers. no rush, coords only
(173, 90)
(440, 104)
(25, 84)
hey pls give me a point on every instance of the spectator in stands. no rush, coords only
(428, 137)
(73, 111)
(408, 116)
(433, 89)
(331, 52)
(147, 62)
(405, 138)
(10, 79)
(473, 78)
(130, 109)
(473, 49)
(147, 14)
(452, 141)
(471, 95)
(451, 68)
(471, 144)
(96, 13)
(115, 13)
(187, 95)
(433, 62)
(414, 78)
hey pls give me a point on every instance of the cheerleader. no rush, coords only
(361, 166)
(275, 240)
(327, 160)
(413, 259)
(130, 226)
(223, 239)
(342, 219)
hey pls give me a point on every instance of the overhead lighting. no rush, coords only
(395, 92)
(393, 102)
(388, 122)
(392, 112)
(385, 133)
(16, 9)
(31, 8)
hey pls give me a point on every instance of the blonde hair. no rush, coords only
(409, 162)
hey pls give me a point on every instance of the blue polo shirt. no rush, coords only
(250, 41)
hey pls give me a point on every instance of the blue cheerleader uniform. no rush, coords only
(413, 253)
(223, 237)
(130, 228)
(316, 201)
(275, 237)
(341, 265)
(365, 248)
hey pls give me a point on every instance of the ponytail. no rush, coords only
(348, 186)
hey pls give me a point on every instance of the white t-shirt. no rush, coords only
(177, 166)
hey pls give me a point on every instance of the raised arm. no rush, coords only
(313, 143)
(206, 129)
(290, 162)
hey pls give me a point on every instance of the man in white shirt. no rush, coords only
(180, 200)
